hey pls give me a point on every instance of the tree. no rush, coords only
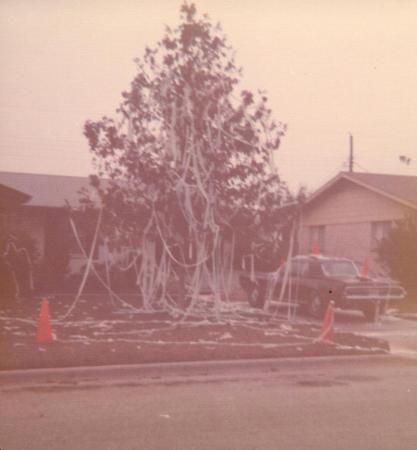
(398, 252)
(188, 163)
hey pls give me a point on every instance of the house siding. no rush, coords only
(347, 212)
(351, 241)
(349, 203)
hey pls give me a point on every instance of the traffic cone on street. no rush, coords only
(365, 268)
(327, 332)
(44, 332)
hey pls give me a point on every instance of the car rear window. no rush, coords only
(340, 269)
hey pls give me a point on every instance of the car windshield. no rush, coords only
(340, 269)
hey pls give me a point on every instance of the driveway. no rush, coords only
(400, 333)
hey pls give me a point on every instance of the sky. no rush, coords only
(330, 68)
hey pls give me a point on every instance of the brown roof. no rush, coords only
(46, 190)
(400, 188)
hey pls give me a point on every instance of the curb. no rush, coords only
(200, 368)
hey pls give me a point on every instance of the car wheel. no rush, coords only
(256, 296)
(316, 306)
(371, 312)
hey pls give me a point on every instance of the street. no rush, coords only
(316, 403)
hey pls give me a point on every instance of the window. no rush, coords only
(317, 237)
(340, 269)
(299, 268)
(379, 231)
(85, 235)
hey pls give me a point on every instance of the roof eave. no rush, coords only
(346, 176)
(16, 195)
(381, 192)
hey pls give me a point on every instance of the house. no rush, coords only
(351, 213)
(347, 216)
(35, 205)
(10, 197)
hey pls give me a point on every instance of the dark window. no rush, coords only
(340, 269)
(299, 268)
(85, 229)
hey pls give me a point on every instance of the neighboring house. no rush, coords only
(39, 210)
(9, 198)
(350, 214)
(10, 279)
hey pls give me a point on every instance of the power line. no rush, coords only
(361, 167)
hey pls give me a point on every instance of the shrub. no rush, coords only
(398, 252)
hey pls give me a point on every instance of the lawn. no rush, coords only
(99, 333)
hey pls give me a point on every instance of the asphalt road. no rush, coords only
(330, 403)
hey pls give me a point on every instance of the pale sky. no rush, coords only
(329, 67)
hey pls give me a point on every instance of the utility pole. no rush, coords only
(351, 161)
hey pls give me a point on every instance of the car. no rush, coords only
(312, 281)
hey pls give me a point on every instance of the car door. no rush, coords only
(314, 280)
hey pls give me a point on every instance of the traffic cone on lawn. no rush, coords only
(365, 268)
(44, 332)
(327, 332)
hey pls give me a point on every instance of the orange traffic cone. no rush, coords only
(44, 332)
(365, 268)
(327, 331)
(315, 248)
